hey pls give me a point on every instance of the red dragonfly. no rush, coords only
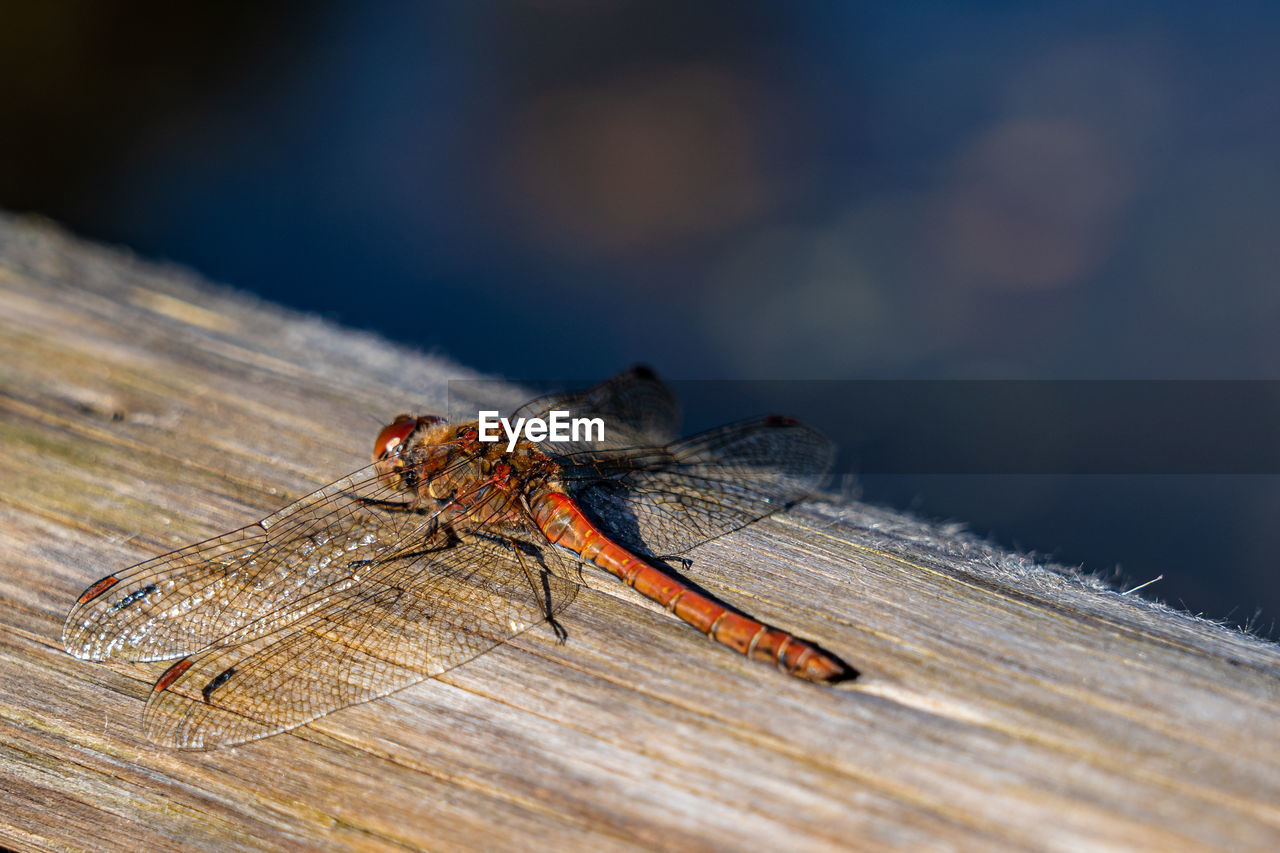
(443, 548)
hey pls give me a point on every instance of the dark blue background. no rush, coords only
(724, 190)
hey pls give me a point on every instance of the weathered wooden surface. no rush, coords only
(1002, 705)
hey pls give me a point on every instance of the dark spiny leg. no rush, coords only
(541, 591)
(432, 540)
(561, 634)
(391, 506)
(401, 555)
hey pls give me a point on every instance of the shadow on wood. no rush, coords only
(1002, 703)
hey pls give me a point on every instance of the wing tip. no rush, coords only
(171, 675)
(644, 371)
(97, 588)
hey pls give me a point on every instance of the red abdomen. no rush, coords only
(565, 525)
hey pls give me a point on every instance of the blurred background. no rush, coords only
(745, 190)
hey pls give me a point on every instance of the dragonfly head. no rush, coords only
(392, 438)
(396, 438)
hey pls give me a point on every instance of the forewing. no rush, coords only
(410, 618)
(180, 602)
(637, 408)
(662, 502)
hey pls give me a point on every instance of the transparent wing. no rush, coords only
(410, 618)
(662, 502)
(637, 408)
(180, 602)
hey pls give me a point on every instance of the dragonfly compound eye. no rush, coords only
(391, 439)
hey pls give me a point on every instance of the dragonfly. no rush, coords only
(442, 549)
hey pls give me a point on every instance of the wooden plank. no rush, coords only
(1003, 704)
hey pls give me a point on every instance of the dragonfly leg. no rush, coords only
(391, 506)
(435, 538)
(541, 591)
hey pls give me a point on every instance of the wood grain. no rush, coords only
(1003, 704)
